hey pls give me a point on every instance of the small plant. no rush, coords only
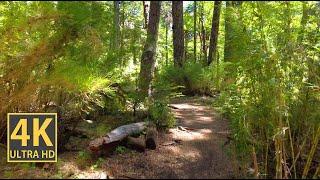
(59, 175)
(83, 159)
(8, 174)
(102, 129)
(161, 115)
(28, 166)
(121, 150)
(98, 163)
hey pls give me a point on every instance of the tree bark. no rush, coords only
(214, 32)
(195, 31)
(148, 60)
(203, 35)
(178, 34)
(185, 45)
(167, 51)
(145, 14)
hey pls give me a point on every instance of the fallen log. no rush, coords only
(151, 138)
(116, 135)
(137, 144)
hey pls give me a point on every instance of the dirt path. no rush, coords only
(197, 148)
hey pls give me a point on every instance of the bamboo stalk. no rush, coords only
(311, 153)
(266, 160)
(285, 166)
(300, 149)
(317, 173)
(255, 163)
(278, 158)
(3, 146)
(292, 151)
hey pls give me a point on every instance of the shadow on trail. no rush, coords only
(195, 149)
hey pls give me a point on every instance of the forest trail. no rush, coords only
(197, 148)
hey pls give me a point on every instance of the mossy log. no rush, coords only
(116, 135)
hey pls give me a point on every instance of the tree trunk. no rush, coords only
(167, 52)
(203, 35)
(195, 31)
(148, 56)
(145, 14)
(178, 34)
(185, 45)
(214, 32)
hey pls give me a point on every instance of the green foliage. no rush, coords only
(193, 78)
(63, 50)
(61, 55)
(161, 115)
(83, 159)
(102, 129)
(99, 163)
(121, 150)
(267, 93)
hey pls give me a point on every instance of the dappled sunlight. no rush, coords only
(190, 135)
(69, 167)
(205, 118)
(191, 154)
(183, 106)
(72, 166)
(93, 174)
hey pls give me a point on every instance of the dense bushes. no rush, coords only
(272, 93)
(192, 79)
(161, 115)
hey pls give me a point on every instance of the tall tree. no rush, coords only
(214, 32)
(148, 56)
(195, 30)
(178, 33)
(203, 33)
(145, 14)
(167, 51)
(186, 40)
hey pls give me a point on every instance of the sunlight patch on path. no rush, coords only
(201, 134)
(191, 154)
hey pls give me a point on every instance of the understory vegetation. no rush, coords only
(97, 60)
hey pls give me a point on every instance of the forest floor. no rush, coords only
(198, 147)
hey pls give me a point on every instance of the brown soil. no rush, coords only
(197, 148)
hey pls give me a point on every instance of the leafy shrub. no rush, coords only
(161, 115)
(192, 79)
(121, 150)
(83, 159)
